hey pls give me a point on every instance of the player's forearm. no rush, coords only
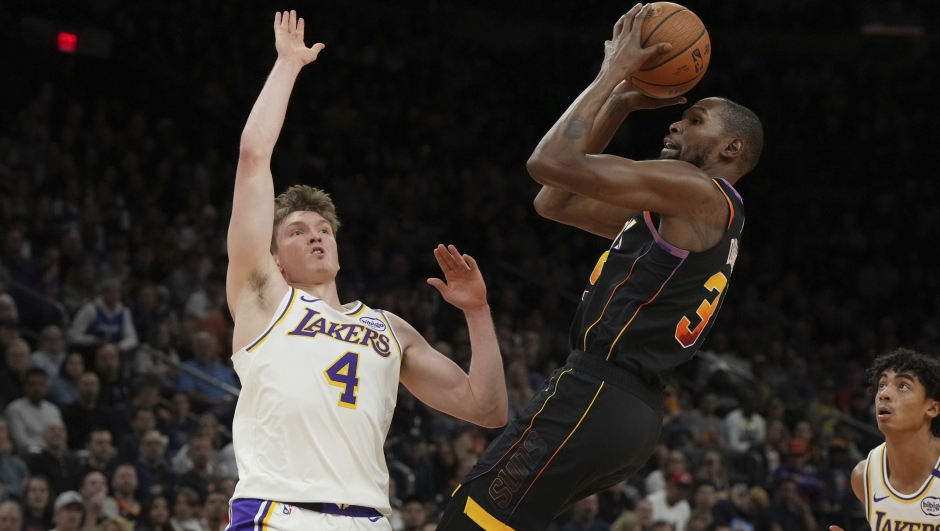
(267, 116)
(487, 383)
(568, 141)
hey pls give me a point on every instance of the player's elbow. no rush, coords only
(544, 207)
(496, 418)
(538, 167)
(251, 148)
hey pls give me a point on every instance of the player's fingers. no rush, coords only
(439, 255)
(657, 49)
(300, 27)
(451, 259)
(636, 22)
(471, 262)
(437, 283)
(292, 23)
(835, 528)
(458, 258)
(277, 21)
(626, 22)
(317, 48)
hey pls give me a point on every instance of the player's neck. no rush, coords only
(325, 292)
(908, 463)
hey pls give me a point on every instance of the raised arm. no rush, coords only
(563, 158)
(591, 215)
(254, 284)
(478, 397)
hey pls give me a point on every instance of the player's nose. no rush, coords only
(674, 128)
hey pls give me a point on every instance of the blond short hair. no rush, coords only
(303, 198)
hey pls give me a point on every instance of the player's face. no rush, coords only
(696, 137)
(901, 403)
(306, 249)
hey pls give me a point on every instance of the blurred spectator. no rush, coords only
(11, 517)
(226, 485)
(154, 474)
(115, 523)
(51, 353)
(143, 420)
(156, 515)
(662, 525)
(185, 511)
(644, 513)
(87, 412)
(114, 388)
(198, 476)
(122, 501)
(745, 426)
(713, 471)
(707, 427)
(787, 511)
(674, 463)
(100, 454)
(13, 373)
(215, 512)
(738, 511)
(627, 521)
(94, 491)
(37, 505)
(698, 522)
(671, 505)
(187, 278)
(54, 461)
(68, 511)
(63, 390)
(613, 501)
(413, 514)
(13, 470)
(104, 320)
(29, 416)
(517, 387)
(207, 300)
(145, 394)
(156, 356)
(704, 497)
(178, 425)
(150, 310)
(202, 393)
(584, 516)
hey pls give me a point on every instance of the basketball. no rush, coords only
(675, 72)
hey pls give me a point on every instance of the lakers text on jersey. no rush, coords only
(890, 510)
(318, 392)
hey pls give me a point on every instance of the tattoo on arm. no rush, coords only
(575, 128)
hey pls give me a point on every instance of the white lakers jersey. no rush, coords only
(889, 510)
(318, 392)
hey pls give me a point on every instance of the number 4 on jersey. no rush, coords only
(344, 374)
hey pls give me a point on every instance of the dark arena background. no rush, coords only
(119, 135)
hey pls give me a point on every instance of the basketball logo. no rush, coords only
(699, 62)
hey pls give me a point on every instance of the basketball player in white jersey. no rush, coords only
(319, 378)
(899, 482)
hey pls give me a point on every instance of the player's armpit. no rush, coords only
(591, 215)
(441, 384)
(670, 187)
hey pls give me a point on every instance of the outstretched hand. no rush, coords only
(623, 53)
(289, 39)
(635, 100)
(464, 288)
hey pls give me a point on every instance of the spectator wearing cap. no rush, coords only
(104, 320)
(87, 412)
(11, 517)
(29, 416)
(54, 461)
(122, 501)
(584, 516)
(68, 511)
(154, 474)
(206, 361)
(52, 352)
(13, 372)
(745, 426)
(672, 505)
(13, 470)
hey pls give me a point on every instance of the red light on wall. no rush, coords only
(67, 42)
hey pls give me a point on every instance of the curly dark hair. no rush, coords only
(925, 368)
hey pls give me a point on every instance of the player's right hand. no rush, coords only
(635, 101)
(289, 39)
(835, 528)
(623, 53)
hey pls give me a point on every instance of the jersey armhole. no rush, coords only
(286, 303)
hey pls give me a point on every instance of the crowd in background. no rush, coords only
(116, 385)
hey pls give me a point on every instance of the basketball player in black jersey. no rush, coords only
(675, 225)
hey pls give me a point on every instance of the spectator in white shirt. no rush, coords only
(29, 416)
(745, 426)
(51, 351)
(672, 505)
(105, 320)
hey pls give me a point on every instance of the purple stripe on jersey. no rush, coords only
(671, 249)
(244, 513)
(736, 194)
(935, 473)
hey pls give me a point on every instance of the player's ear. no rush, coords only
(933, 408)
(732, 149)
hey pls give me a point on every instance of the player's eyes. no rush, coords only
(296, 232)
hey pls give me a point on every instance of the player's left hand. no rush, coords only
(623, 53)
(464, 288)
(635, 100)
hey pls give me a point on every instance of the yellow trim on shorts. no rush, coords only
(264, 522)
(482, 518)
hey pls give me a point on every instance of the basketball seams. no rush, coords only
(687, 48)
(661, 22)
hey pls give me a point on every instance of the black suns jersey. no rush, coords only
(649, 305)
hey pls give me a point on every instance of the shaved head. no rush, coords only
(741, 122)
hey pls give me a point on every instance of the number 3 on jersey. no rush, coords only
(344, 374)
(684, 335)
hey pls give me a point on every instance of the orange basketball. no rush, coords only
(675, 72)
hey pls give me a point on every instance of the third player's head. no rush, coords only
(716, 133)
(304, 238)
(906, 385)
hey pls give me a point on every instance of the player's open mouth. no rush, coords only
(883, 412)
(669, 144)
(318, 250)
